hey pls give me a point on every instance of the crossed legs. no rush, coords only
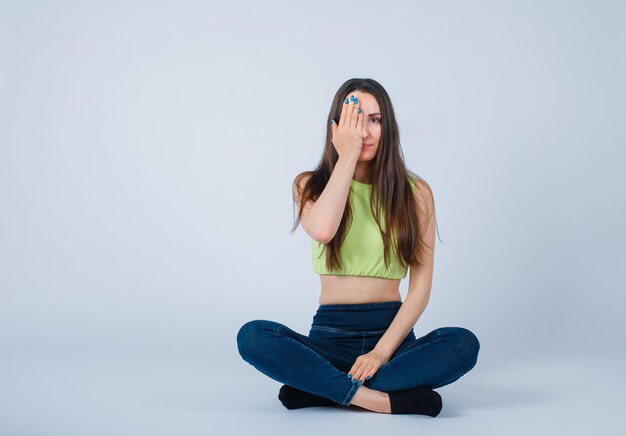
(318, 366)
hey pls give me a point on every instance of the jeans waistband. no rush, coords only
(365, 316)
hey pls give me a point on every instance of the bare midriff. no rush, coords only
(338, 289)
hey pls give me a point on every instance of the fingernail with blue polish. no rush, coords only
(349, 375)
(359, 111)
(356, 100)
(353, 381)
(360, 383)
(331, 121)
(347, 101)
(352, 98)
(368, 377)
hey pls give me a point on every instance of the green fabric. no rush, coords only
(362, 251)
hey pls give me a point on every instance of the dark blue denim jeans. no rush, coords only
(318, 363)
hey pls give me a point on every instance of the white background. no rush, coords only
(147, 151)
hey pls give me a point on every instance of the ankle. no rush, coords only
(371, 399)
(385, 403)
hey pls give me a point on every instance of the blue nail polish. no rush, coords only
(368, 377)
(349, 375)
(352, 98)
(360, 383)
(353, 381)
(356, 100)
(347, 101)
(359, 111)
(331, 121)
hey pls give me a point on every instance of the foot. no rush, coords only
(293, 398)
(421, 401)
(371, 399)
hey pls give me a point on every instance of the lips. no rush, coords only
(367, 145)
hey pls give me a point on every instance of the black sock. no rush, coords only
(421, 401)
(294, 398)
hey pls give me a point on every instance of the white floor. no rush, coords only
(95, 395)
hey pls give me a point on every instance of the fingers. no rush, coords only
(359, 377)
(367, 374)
(361, 372)
(344, 109)
(349, 110)
(359, 119)
(355, 112)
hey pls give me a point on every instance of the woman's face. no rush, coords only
(371, 124)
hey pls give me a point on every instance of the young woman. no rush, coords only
(369, 221)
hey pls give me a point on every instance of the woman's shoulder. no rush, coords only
(299, 182)
(423, 193)
(301, 179)
(419, 182)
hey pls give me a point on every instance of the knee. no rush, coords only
(468, 343)
(249, 338)
(471, 345)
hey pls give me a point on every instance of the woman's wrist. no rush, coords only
(348, 160)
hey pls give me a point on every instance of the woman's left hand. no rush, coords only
(366, 366)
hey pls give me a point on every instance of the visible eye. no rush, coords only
(376, 119)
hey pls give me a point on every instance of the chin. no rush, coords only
(368, 156)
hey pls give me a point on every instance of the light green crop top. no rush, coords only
(361, 253)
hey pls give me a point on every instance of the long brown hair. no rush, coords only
(390, 184)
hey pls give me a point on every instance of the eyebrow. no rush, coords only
(371, 115)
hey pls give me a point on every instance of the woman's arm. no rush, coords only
(420, 280)
(321, 218)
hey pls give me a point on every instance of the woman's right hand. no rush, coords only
(348, 133)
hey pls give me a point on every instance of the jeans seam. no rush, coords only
(362, 343)
(353, 388)
(326, 362)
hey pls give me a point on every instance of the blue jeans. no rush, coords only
(318, 363)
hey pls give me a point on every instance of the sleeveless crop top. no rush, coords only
(361, 253)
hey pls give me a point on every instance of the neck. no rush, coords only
(363, 172)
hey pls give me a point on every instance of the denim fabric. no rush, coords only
(318, 363)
